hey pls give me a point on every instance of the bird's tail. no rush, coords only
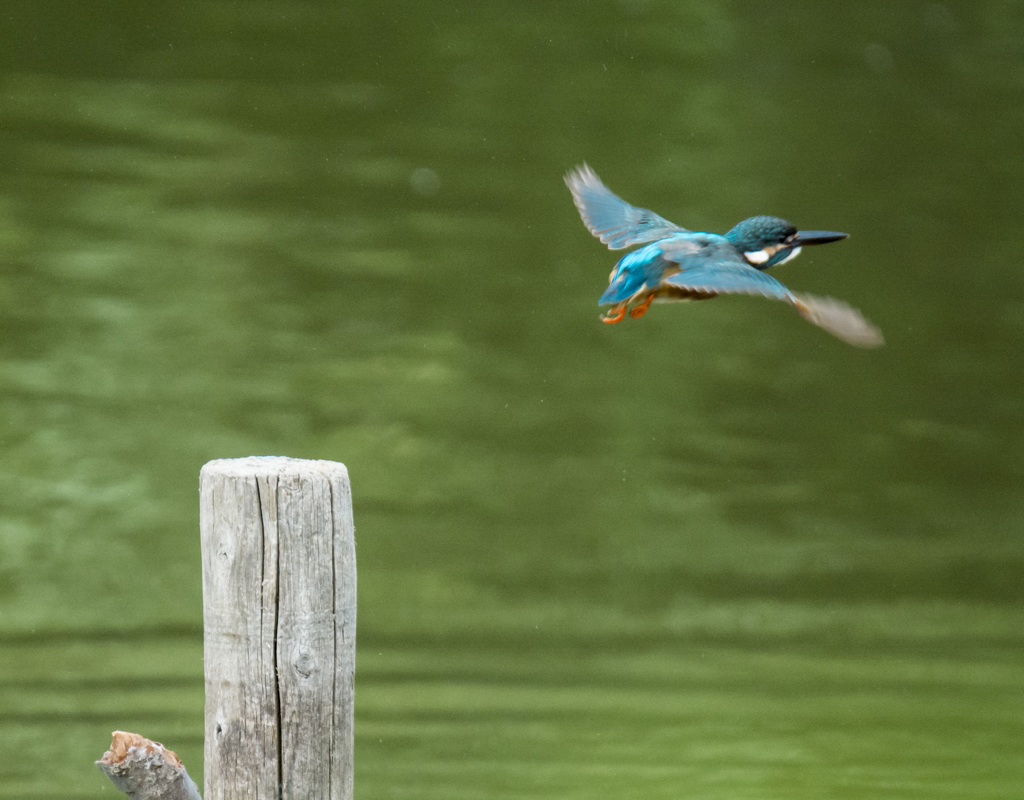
(839, 319)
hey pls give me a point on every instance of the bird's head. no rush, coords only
(767, 241)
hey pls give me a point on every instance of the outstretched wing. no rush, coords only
(700, 278)
(723, 276)
(839, 319)
(610, 218)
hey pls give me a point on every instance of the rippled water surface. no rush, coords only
(713, 553)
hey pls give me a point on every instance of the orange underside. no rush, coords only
(618, 312)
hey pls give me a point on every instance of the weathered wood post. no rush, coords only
(279, 613)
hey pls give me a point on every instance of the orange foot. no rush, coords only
(615, 315)
(641, 309)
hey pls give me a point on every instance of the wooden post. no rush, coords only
(279, 614)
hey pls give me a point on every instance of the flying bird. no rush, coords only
(677, 264)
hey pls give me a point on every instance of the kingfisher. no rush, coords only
(677, 264)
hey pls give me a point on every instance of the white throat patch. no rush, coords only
(758, 256)
(790, 256)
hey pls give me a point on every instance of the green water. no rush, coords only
(713, 553)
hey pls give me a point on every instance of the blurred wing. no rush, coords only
(839, 319)
(724, 276)
(610, 218)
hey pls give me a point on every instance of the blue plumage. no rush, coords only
(634, 272)
(679, 264)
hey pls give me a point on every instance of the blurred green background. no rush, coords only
(711, 554)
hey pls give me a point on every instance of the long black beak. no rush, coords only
(817, 237)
